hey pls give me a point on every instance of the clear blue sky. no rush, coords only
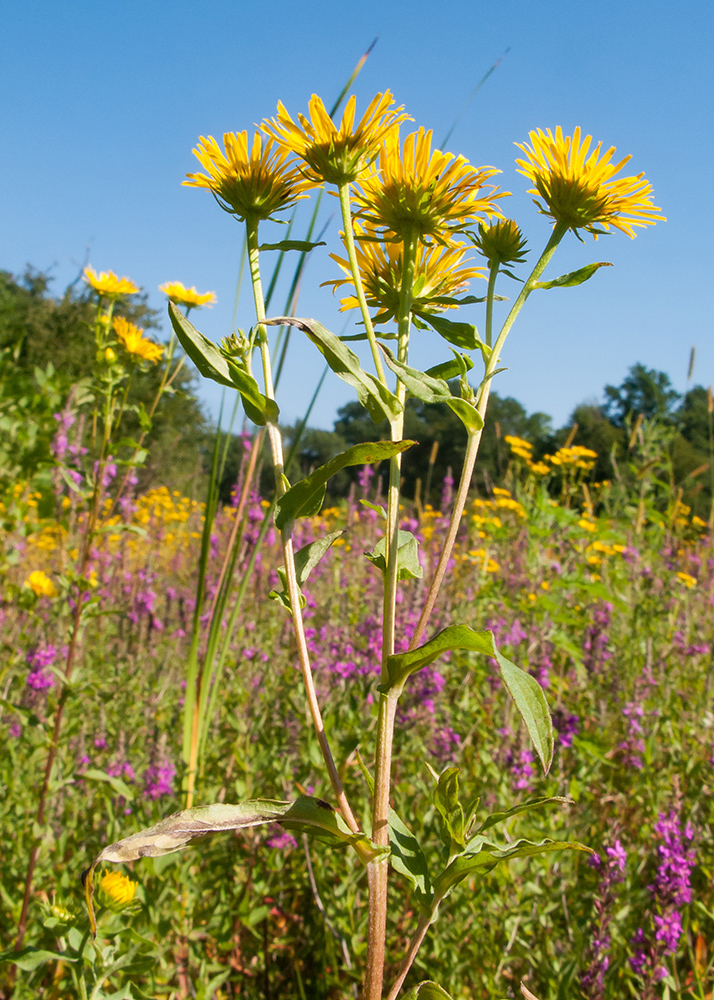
(102, 103)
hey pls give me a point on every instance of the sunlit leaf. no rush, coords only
(467, 414)
(306, 559)
(427, 990)
(573, 277)
(408, 565)
(458, 366)
(446, 800)
(299, 501)
(463, 335)
(302, 245)
(527, 806)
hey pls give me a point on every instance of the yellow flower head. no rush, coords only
(182, 296)
(580, 189)
(439, 273)
(417, 191)
(116, 890)
(336, 155)
(131, 337)
(250, 184)
(108, 285)
(41, 584)
(500, 243)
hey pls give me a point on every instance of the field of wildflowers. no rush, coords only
(461, 748)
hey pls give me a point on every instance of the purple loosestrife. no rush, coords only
(671, 890)
(38, 659)
(611, 872)
(597, 640)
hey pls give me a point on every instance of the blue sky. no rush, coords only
(103, 102)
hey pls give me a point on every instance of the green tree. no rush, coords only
(643, 391)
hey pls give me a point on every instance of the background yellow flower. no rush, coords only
(182, 296)
(131, 337)
(108, 284)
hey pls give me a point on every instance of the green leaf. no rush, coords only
(524, 689)
(499, 817)
(376, 507)
(380, 403)
(573, 277)
(401, 665)
(482, 855)
(467, 414)
(463, 335)
(29, 959)
(407, 857)
(420, 384)
(321, 820)
(119, 786)
(459, 366)
(446, 800)
(408, 565)
(427, 990)
(212, 364)
(303, 245)
(300, 499)
(306, 559)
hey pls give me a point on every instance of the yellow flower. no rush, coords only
(500, 243)
(439, 273)
(107, 283)
(250, 184)
(417, 191)
(116, 890)
(539, 468)
(336, 155)
(41, 584)
(182, 296)
(110, 356)
(580, 189)
(131, 337)
(688, 580)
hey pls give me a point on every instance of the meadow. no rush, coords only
(453, 739)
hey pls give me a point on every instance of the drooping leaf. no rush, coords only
(446, 800)
(463, 335)
(482, 855)
(299, 501)
(420, 384)
(573, 277)
(408, 565)
(427, 990)
(527, 806)
(376, 507)
(467, 414)
(524, 689)
(458, 366)
(380, 403)
(306, 559)
(310, 815)
(302, 245)
(212, 364)
(407, 857)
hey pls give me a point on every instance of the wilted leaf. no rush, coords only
(299, 500)
(380, 403)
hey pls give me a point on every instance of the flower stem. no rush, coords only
(378, 871)
(276, 448)
(344, 192)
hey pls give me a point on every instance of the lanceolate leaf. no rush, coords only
(573, 277)
(407, 856)
(303, 245)
(212, 364)
(459, 365)
(380, 403)
(310, 815)
(482, 855)
(467, 414)
(524, 689)
(299, 500)
(408, 565)
(420, 384)
(306, 559)
(499, 817)
(446, 800)
(463, 335)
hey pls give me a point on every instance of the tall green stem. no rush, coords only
(378, 871)
(276, 448)
(344, 192)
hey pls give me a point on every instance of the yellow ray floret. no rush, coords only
(581, 190)
(332, 154)
(415, 191)
(250, 183)
(108, 284)
(182, 296)
(439, 274)
(131, 337)
(40, 584)
(117, 890)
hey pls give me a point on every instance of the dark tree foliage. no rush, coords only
(645, 391)
(37, 329)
